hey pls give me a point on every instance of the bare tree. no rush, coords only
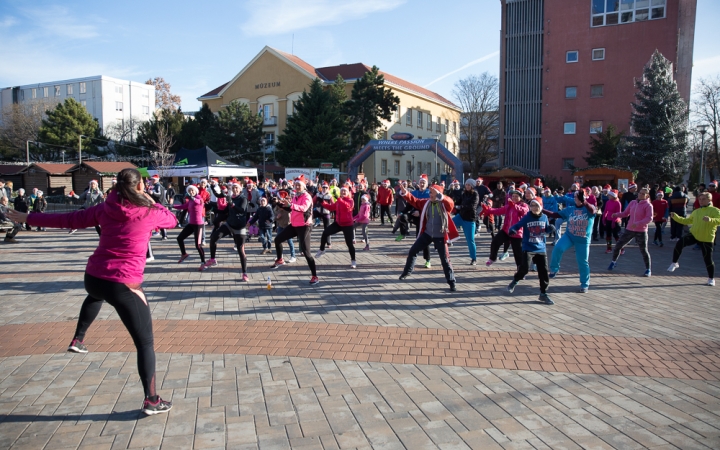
(161, 157)
(19, 123)
(164, 99)
(478, 97)
(707, 112)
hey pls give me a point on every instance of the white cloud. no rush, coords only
(291, 15)
(57, 21)
(470, 64)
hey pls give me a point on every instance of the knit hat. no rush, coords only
(301, 180)
(537, 200)
(613, 193)
(660, 194)
(632, 186)
(471, 182)
(479, 180)
(386, 182)
(437, 187)
(324, 184)
(607, 187)
(423, 177)
(547, 189)
(532, 191)
(523, 186)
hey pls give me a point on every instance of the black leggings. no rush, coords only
(187, 231)
(705, 247)
(385, 211)
(348, 233)
(131, 305)
(612, 229)
(239, 239)
(658, 231)
(303, 235)
(540, 260)
(502, 238)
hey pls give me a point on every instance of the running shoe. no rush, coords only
(403, 276)
(399, 237)
(545, 299)
(504, 256)
(314, 281)
(235, 247)
(367, 248)
(427, 264)
(655, 242)
(278, 263)
(211, 263)
(647, 273)
(150, 409)
(291, 260)
(353, 264)
(164, 238)
(183, 258)
(583, 290)
(453, 288)
(489, 263)
(155, 233)
(622, 252)
(710, 282)
(473, 262)
(202, 267)
(612, 265)
(10, 240)
(673, 266)
(319, 253)
(244, 277)
(608, 251)
(77, 347)
(150, 259)
(511, 286)
(661, 244)
(329, 246)
(552, 274)
(71, 231)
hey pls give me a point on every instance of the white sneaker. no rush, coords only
(353, 265)
(291, 260)
(319, 253)
(150, 259)
(504, 256)
(673, 266)
(710, 282)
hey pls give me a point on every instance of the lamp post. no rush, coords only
(437, 138)
(702, 129)
(80, 148)
(27, 152)
(412, 168)
(62, 152)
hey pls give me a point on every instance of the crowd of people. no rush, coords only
(519, 218)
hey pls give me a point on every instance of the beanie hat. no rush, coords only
(523, 186)
(471, 182)
(537, 200)
(547, 189)
(632, 186)
(613, 193)
(301, 180)
(154, 177)
(437, 187)
(607, 187)
(423, 177)
(532, 191)
(660, 194)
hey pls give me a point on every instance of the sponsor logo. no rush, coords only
(220, 163)
(401, 136)
(182, 162)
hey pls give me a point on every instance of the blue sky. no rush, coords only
(197, 46)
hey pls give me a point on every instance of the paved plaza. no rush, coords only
(362, 360)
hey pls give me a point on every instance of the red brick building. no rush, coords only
(568, 69)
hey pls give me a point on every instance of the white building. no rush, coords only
(107, 99)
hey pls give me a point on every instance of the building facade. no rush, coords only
(107, 99)
(567, 71)
(274, 80)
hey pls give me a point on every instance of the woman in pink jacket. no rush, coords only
(640, 214)
(114, 272)
(362, 219)
(301, 220)
(513, 210)
(196, 220)
(611, 225)
(343, 208)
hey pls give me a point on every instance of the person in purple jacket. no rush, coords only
(196, 221)
(639, 213)
(114, 272)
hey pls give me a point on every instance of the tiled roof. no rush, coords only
(109, 166)
(10, 169)
(305, 66)
(214, 92)
(54, 168)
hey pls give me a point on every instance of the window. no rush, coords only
(429, 122)
(447, 125)
(571, 92)
(571, 57)
(598, 54)
(597, 90)
(396, 115)
(383, 167)
(269, 139)
(22, 94)
(437, 169)
(454, 128)
(118, 106)
(396, 167)
(420, 119)
(118, 89)
(84, 103)
(428, 169)
(146, 94)
(568, 163)
(419, 169)
(613, 12)
(83, 88)
(46, 92)
(408, 117)
(69, 89)
(267, 111)
(146, 110)
(57, 91)
(438, 125)
(408, 168)
(34, 93)
(595, 126)
(569, 127)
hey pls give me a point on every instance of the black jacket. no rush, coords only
(21, 204)
(237, 214)
(468, 205)
(262, 216)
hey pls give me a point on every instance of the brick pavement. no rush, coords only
(293, 366)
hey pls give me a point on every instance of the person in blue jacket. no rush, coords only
(550, 203)
(564, 200)
(580, 217)
(535, 226)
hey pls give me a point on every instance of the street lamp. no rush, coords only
(436, 137)
(80, 148)
(62, 152)
(702, 129)
(412, 168)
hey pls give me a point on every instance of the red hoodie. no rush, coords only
(343, 208)
(384, 196)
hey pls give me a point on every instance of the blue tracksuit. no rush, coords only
(579, 231)
(417, 193)
(550, 203)
(534, 230)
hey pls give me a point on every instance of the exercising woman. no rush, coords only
(235, 225)
(196, 221)
(114, 272)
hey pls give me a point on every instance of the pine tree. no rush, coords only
(203, 130)
(604, 147)
(64, 125)
(240, 132)
(314, 133)
(370, 101)
(657, 147)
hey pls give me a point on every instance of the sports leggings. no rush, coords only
(131, 305)
(502, 238)
(239, 239)
(197, 231)
(303, 235)
(348, 232)
(363, 230)
(705, 247)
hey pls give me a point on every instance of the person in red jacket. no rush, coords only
(436, 227)
(514, 210)
(660, 206)
(384, 199)
(344, 222)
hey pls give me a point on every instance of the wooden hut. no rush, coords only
(509, 173)
(51, 178)
(602, 175)
(102, 171)
(14, 173)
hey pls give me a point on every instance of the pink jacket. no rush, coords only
(611, 207)
(300, 204)
(343, 210)
(120, 255)
(363, 215)
(196, 210)
(513, 213)
(640, 213)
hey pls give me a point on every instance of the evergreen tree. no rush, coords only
(657, 147)
(370, 102)
(172, 121)
(240, 132)
(314, 134)
(604, 147)
(63, 126)
(203, 130)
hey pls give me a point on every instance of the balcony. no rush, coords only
(270, 121)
